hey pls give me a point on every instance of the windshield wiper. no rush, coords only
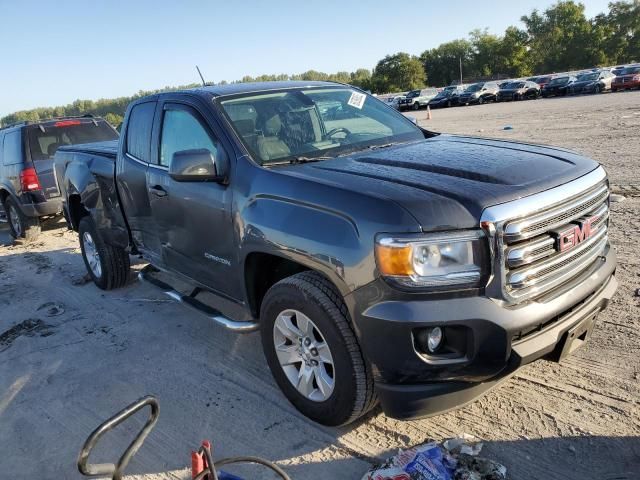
(303, 159)
(384, 145)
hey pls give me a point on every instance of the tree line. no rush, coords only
(560, 38)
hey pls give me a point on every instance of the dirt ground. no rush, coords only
(72, 355)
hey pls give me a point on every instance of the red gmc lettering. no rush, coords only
(577, 234)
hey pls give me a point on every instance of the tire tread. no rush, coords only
(320, 288)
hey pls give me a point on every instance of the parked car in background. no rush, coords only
(416, 99)
(518, 90)
(592, 82)
(541, 80)
(479, 93)
(394, 101)
(617, 70)
(446, 98)
(629, 78)
(28, 190)
(558, 86)
(379, 261)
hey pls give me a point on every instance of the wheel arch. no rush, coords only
(262, 270)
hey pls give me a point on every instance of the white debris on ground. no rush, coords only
(453, 459)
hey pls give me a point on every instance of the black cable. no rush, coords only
(234, 460)
(257, 460)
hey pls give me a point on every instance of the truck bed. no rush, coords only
(107, 149)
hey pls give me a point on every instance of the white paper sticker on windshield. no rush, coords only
(357, 100)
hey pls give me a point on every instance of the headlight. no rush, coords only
(439, 260)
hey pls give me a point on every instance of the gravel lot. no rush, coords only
(77, 354)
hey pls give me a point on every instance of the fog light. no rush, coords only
(434, 340)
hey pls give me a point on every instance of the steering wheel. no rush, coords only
(331, 133)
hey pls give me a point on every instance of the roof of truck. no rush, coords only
(236, 88)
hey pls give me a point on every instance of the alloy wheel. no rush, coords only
(304, 355)
(92, 255)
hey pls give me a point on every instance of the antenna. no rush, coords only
(204, 84)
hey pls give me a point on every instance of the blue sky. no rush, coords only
(54, 52)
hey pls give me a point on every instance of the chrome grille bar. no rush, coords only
(524, 253)
(547, 269)
(555, 217)
(523, 235)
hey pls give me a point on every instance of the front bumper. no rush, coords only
(410, 384)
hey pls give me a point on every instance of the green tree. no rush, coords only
(442, 64)
(619, 31)
(398, 72)
(114, 119)
(361, 78)
(561, 38)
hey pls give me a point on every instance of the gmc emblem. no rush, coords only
(574, 235)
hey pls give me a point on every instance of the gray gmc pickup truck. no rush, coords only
(380, 262)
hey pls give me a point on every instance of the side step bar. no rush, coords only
(191, 301)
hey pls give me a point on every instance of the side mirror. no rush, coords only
(197, 165)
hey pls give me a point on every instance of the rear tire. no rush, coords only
(21, 227)
(107, 265)
(293, 302)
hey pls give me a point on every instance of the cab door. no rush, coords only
(131, 178)
(192, 219)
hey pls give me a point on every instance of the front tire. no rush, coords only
(107, 265)
(21, 227)
(313, 352)
(416, 106)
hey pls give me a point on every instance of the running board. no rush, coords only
(191, 301)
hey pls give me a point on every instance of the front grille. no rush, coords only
(533, 263)
(527, 234)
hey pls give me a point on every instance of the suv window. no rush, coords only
(45, 139)
(139, 130)
(12, 149)
(182, 131)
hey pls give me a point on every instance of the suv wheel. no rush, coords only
(312, 351)
(107, 265)
(480, 100)
(416, 106)
(21, 227)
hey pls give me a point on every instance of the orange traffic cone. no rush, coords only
(428, 112)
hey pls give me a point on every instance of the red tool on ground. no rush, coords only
(202, 465)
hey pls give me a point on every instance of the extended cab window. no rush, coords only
(182, 131)
(12, 150)
(139, 130)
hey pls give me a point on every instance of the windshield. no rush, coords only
(559, 80)
(413, 93)
(587, 76)
(310, 123)
(630, 71)
(474, 88)
(45, 139)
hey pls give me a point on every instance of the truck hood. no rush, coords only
(447, 181)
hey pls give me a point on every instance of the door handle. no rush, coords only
(158, 191)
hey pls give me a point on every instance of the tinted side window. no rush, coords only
(12, 149)
(182, 131)
(139, 130)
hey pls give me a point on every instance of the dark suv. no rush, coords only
(28, 189)
(479, 93)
